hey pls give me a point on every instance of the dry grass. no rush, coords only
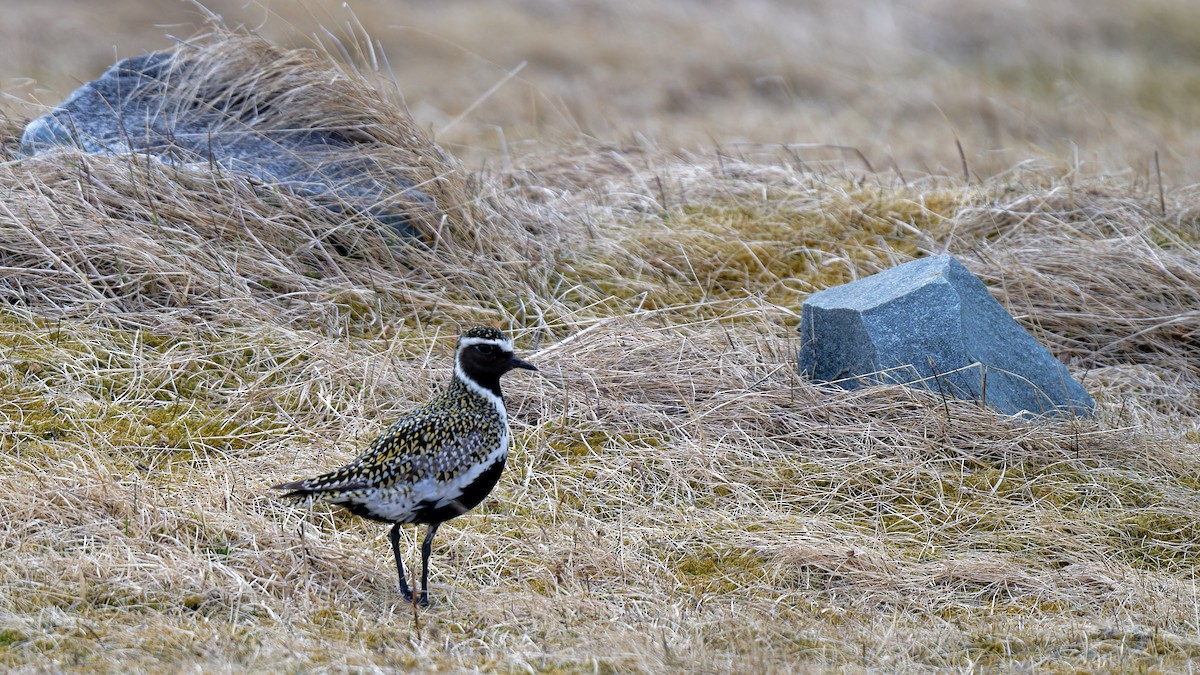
(677, 498)
(1105, 83)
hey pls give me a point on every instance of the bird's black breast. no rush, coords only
(472, 494)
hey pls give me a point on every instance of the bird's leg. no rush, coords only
(394, 535)
(426, 548)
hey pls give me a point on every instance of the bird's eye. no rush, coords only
(486, 350)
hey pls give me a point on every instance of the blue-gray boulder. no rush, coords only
(156, 104)
(932, 323)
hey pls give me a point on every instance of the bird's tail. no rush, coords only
(297, 489)
(327, 485)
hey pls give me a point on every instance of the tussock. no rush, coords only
(678, 499)
(143, 241)
(1111, 285)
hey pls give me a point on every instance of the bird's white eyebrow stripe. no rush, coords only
(506, 344)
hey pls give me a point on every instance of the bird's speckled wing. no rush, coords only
(431, 444)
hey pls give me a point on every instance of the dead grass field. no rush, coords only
(645, 204)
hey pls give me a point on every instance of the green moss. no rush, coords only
(78, 385)
(724, 570)
(993, 650)
(597, 442)
(10, 636)
(1175, 233)
(193, 601)
(1158, 540)
(221, 549)
(720, 251)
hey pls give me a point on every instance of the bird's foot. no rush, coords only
(422, 600)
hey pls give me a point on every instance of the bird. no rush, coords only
(436, 462)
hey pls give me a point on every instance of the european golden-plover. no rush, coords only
(436, 462)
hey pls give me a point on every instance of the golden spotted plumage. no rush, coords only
(457, 430)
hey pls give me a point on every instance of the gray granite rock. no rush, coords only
(932, 323)
(136, 107)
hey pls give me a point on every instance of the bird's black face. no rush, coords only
(484, 360)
